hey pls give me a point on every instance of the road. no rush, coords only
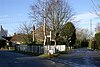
(80, 58)
(76, 58)
(11, 59)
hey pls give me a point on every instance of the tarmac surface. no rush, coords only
(81, 57)
(11, 59)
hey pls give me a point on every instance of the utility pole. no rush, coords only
(90, 28)
(44, 21)
(44, 27)
(90, 43)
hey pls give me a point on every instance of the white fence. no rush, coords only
(55, 49)
(40, 49)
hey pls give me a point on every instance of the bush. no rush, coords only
(97, 38)
(84, 43)
(35, 43)
(78, 43)
(2, 43)
(60, 41)
(32, 43)
(90, 44)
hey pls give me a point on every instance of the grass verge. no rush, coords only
(48, 55)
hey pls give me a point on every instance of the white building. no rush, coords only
(2, 32)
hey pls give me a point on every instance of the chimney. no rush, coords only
(33, 29)
(1, 28)
(14, 33)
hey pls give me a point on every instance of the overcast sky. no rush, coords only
(15, 12)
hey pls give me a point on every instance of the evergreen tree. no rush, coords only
(69, 33)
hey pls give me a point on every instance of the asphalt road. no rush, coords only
(11, 59)
(76, 58)
(81, 57)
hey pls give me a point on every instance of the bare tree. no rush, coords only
(58, 12)
(25, 29)
(82, 34)
(96, 4)
(97, 29)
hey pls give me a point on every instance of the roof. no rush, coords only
(39, 35)
(2, 32)
(18, 37)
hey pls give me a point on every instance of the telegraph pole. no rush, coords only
(90, 43)
(90, 28)
(44, 26)
(44, 21)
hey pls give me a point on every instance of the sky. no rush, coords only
(15, 12)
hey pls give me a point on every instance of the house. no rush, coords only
(20, 38)
(2, 32)
(17, 38)
(39, 36)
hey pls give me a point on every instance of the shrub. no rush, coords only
(97, 38)
(85, 43)
(2, 43)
